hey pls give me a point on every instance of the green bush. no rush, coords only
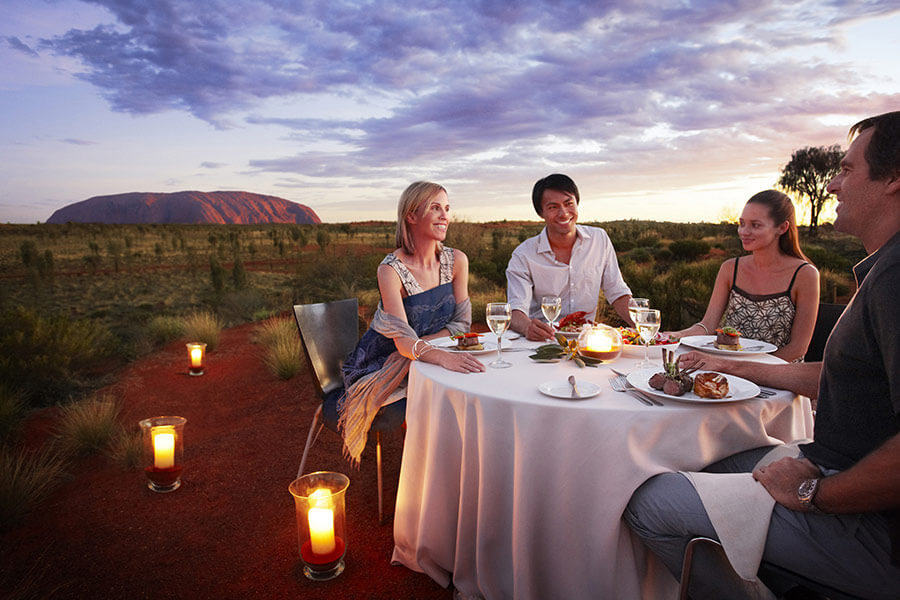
(688, 250)
(639, 255)
(50, 358)
(164, 329)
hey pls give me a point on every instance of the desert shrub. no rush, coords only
(639, 255)
(283, 350)
(216, 274)
(164, 329)
(324, 277)
(203, 327)
(240, 306)
(688, 250)
(27, 479)
(834, 286)
(125, 447)
(662, 254)
(239, 274)
(12, 409)
(825, 259)
(48, 358)
(89, 425)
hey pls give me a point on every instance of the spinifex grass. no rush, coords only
(203, 327)
(164, 329)
(125, 447)
(283, 350)
(12, 409)
(89, 425)
(26, 479)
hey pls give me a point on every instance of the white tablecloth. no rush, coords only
(513, 494)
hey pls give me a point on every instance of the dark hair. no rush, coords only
(883, 153)
(781, 209)
(558, 182)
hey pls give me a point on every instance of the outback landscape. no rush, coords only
(93, 322)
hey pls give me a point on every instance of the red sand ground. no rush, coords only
(229, 531)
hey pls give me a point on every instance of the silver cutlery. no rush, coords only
(617, 385)
(766, 393)
(575, 393)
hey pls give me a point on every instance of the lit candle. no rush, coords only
(196, 356)
(598, 341)
(163, 447)
(321, 522)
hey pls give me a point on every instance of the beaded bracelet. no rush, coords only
(700, 323)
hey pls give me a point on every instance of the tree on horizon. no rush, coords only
(808, 173)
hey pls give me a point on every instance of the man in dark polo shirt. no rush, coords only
(835, 517)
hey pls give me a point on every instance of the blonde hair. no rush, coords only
(411, 200)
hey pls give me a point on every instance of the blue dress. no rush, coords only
(427, 312)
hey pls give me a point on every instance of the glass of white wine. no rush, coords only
(498, 315)
(647, 325)
(551, 306)
(634, 305)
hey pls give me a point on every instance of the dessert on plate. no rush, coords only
(728, 338)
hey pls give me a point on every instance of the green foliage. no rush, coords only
(164, 329)
(26, 480)
(216, 274)
(48, 358)
(324, 277)
(323, 238)
(639, 255)
(203, 327)
(239, 274)
(808, 173)
(12, 409)
(688, 250)
(28, 252)
(825, 259)
(88, 426)
(283, 349)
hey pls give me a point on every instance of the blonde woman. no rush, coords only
(424, 295)
(773, 294)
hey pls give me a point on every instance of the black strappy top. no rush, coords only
(766, 317)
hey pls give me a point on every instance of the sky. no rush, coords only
(663, 110)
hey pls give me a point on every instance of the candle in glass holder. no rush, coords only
(600, 342)
(163, 452)
(196, 352)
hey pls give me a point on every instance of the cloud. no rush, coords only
(17, 44)
(78, 142)
(211, 165)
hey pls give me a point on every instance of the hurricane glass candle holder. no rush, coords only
(600, 342)
(163, 452)
(197, 357)
(319, 505)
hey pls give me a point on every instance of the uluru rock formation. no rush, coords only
(185, 207)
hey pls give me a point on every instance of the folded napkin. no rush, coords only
(740, 509)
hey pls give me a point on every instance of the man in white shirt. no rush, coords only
(567, 260)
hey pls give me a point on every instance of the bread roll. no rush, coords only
(711, 385)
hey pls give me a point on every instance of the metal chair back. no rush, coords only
(329, 331)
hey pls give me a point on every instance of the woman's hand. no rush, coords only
(462, 362)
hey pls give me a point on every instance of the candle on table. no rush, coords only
(321, 522)
(598, 341)
(163, 447)
(196, 357)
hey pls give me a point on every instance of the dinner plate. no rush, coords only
(738, 388)
(706, 343)
(489, 345)
(563, 389)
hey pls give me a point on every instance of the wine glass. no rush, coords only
(551, 306)
(634, 305)
(647, 325)
(498, 315)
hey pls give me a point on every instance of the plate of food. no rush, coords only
(728, 341)
(473, 343)
(698, 386)
(633, 345)
(570, 325)
(563, 389)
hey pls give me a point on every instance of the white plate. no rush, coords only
(738, 388)
(638, 351)
(748, 346)
(562, 389)
(489, 346)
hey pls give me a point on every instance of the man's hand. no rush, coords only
(710, 362)
(538, 330)
(782, 478)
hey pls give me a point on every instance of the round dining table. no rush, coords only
(508, 492)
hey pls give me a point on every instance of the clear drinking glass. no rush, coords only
(647, 325)
(634, 305)
(551, 307)
(498, 316)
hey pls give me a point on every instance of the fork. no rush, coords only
(617, 385)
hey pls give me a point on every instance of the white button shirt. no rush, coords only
(533, 272)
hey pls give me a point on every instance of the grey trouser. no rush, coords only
(846, 552)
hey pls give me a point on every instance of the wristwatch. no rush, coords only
(806, 494)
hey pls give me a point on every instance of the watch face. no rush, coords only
(807, 489)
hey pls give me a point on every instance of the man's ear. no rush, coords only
(893, 184)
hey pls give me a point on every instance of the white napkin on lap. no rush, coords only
(740, 508)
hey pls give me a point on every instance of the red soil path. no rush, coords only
(229, 531)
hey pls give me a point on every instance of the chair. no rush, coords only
(778, 579)
(825, 319)
(329, 331)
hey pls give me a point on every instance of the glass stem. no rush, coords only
(647, 352)
(499, 338)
